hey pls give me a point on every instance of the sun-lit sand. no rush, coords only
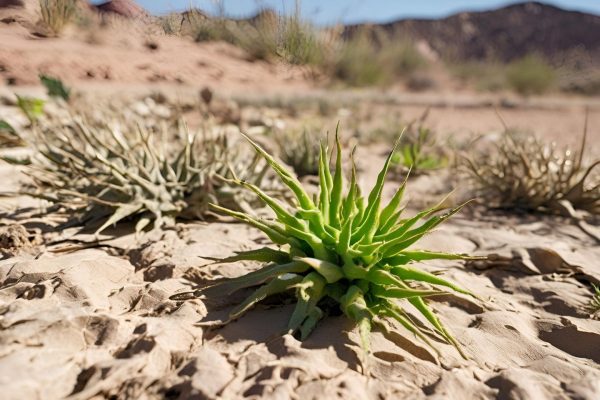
(88, 319)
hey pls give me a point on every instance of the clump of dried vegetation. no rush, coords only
(105, 174)
(530, 75)
(372, 58)
(524, 173)
(300, 151)
(57, 14)
(362, 59)
(8, 135)
(343, 252)
(264, 37)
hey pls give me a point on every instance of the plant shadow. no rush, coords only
(267, 323)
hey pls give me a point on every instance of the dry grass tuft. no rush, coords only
(524, 173)
(57, 14)
(105, 175)
(300, 151)
(530, 75)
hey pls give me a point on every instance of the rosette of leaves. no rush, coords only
(105, 175)
(522, 172)
(344, 251)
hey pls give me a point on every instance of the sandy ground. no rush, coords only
(132, 54)
(83, 320)
(97, 323)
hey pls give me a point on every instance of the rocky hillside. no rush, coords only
(503, 34)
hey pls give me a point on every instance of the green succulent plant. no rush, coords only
(594, 306)
(109, 174)
(345, 250)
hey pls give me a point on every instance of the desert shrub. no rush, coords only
(527, 76)
(8, 135)
(171, 23)
(530, 75)
(367, 60)
(586, 82)
(107, 174)
(385, 130)
(264, 37)
(484, 76)
(298, 41)
(404, 57)
(357, 64)
(419, 152)
(419, 82)
(300, 150)
(259, 40)
(525, 173)
(342, 252)
(56, 14)
(209, 30)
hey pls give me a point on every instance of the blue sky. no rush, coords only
(333, 11)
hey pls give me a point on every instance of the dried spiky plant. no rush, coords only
(345, 252)
(300, 151)
(56, 14)
(107, 175)
(8, 135)
(525, 173)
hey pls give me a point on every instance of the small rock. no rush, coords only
(14, 239)
(206, 94)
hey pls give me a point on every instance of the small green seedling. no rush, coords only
(419, 154)
(594, 306)
(30, 106)
(55, 87)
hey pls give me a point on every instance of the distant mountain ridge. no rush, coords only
(503, 34)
